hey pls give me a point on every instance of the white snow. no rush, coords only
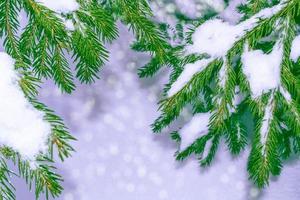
(197, 127)
(69, 24)
(187, 74)
(262, 70)
(215, 37)
(21, 126)
(222, 73)
(295, 51)
(237, 99)
(264, 130)
(63, 6)
(286, 94)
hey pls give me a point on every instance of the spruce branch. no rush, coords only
(6, 188)
(42, 177)
(41, 49)
(275, 111)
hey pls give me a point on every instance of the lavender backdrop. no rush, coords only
(118, 157)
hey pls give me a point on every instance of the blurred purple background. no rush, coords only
(118, 157)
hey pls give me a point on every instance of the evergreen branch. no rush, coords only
(6, 187)
(9, 25)
(40, 53)
(150, 68)
(172, 106)
(264, 158)
(212, 151)
(90, 54)
(103, 23)
(28, 40)
(42, 62)
(236, 133)
(223, 101)
(47, 22)
(61, 72)
(41, 176)
(197, 148)
(29, 85)
(54, 37)
(136, 14)
(60, 138)
(276, 110)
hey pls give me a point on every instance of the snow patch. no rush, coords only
(237, 99)
(63, 6)
(187, 74)
(264, 130)
(69, 24)
(21, 126)
(222, 73)
(197, 127)
(286, 94)
(295, 51)
(215, 37)
(262, 70)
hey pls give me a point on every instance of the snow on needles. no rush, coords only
(295, 51)
(265, 127)
(21, 126)
(197, 127)
(216, 37)
(187, 74)
(63, 6)
(262, 70)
